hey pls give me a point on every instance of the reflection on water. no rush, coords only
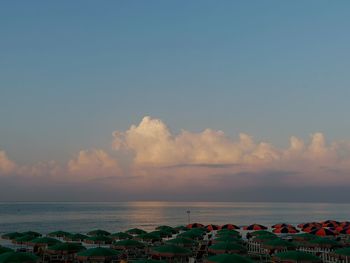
(119, 216)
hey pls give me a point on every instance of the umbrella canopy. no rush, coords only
(162, 233)
(228, 258)
(170, 251)
(278, 243)
(310, 229)
(195, 225)
(101, 240)
(120, 236)
(135, 231)
(226, 232)
(22, 240)
(31, 233)
(180, 228)
(44, 241)
(181, 241)
(330, 222)
(310, 224)
(149, 237)
(342, 252)
(75, 237)
(98, 232)
(323, 232)
(227, 247)
(98, 253)
(191, 234)
(303, 237)
(59, 233)
(254, 227)
(11, 235)
(282, 225)
(5, 249)
(296, 256)
(264, 238)
(167, 228)
(229, 226)
(262, 233)
(65, 248)
(286, 230)
(345, 231)
(323, 242)
(212, 227)
(18, 257)
(127, 244)
(227, 239)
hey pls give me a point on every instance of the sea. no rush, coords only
(82, 217)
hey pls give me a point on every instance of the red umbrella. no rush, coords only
(323, 232)
(212, 227)
(310, 229)
(289, 230)
(282, 225)
(345, 224)
(345, 231)
(195, 225)
(255, 227)
(229, 227)
(310, 224)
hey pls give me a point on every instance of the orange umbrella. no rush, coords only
(254, 227)
(195, 225)
(287, 230)
(323, 232)
(229, 227)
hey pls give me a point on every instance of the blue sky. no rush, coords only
(72, 72)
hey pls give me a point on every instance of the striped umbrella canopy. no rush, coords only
(128, 244)
(135, 231)
(59, 233)
(254, 227)
(65, 248)
(181, 241)
(212, 227)
(228, 258)
(229, 226)
(170, 251)
(120, 236)
(330, 222)
(12, 235)
(286, 230)
(296, 256)
(100, 240)
(310, 229)
(278, 243)
(310, 224)
(345, 224)
(195, 225)
(44, 241)
(5, 250)
(323, 232)
(98, 232)
(18, 257)
(282, 225)
(345, 231)
(75, 237)
(98, 254)
(227, 247)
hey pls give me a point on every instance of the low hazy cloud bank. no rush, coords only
(148, 161)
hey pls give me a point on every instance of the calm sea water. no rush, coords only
(120, 216)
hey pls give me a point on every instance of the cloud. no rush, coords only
(7, 166)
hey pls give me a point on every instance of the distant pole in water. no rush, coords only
(189, 216)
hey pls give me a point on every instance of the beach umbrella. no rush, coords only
(120, 236)
(227, 247)
(310, 229)
(170, 251)
(100, 240)
(18, 257)
(98, 254)
(228, 239)
(181, 241)
(278, 243)
(345, 224)
(264, 238)
(342, 253)
(168, 229)
(345, 231)
(212, 227)
(135, 231)
(191, 234)
(65, 248)
(285, 230)
(5, 249)
(195, 225)
(228, 258)
(229, 233)
(323, 242)
(229, 226)
(303, 237)
(323, 232)
(12, 235)
(296, 256)
(181, 228)
(31, 233)
(162, 233)
(310, 224)
(254, 227)
(59, 233)
(75, 237)
(43, 241)
(330, 223)
(282, 225)
(127, 244)
(98, 232)
(262, 233)
(148, 261)
(22, 240)
(149, 237)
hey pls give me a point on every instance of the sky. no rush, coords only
(174, 100)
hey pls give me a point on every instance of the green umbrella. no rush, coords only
(98, 232)
(5, 249)
(162, 233)
(228, 258)
(323, 242)
(148, 261)
(227, 247)
(120, 236)
(44, 241)
(227, 239)
(181, 241)
(31, 233)
(296, 256)
(168, 229)
(11, 235)
(22, 239)
(151, 237)
(98, 253)
(170, 251)
(98, 240)
(264, 238)
(227, 231)
(342, 252)
(262, 232)
(278, 243)
(59, 233)
(65, 248)
(75, 237)
(136, 231)
(127, 244)
(181, 228)
(303, 237)
(18, 257)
